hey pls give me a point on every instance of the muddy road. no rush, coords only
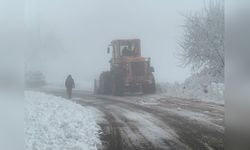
(155, 122)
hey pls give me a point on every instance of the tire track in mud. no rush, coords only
(115, 136)
(190, 132)
(111, 136)
(122, 133)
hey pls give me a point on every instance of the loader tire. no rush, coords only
(117, 86)
(105, 83)
(151, 88)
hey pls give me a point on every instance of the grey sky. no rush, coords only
(71, 36)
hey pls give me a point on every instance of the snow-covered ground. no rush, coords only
(156, 121)
(54, 123)
(213, 92)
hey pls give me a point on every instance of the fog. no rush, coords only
(71, 37)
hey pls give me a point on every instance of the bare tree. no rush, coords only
(203, 41)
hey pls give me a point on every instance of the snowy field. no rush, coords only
(54, 123)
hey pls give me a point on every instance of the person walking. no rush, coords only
(69, 84)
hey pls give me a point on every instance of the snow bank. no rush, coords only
(213, 92)
(53, 123)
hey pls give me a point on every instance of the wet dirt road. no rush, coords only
(154, 122)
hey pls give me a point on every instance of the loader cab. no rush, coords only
(126, 48)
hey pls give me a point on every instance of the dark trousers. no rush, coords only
(69, 92)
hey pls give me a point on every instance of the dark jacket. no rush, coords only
(69, 83)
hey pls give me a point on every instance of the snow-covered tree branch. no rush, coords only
(203, 41)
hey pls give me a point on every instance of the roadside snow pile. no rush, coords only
(213, 92)
(54, 123)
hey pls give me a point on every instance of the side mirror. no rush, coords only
(152, 69)
(108, 50)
